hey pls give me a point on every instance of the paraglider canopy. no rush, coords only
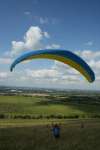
(67, 57)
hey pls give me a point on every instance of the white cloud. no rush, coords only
(65, 69)
(46, 35)
(44, 20)
(92, 58)
(98, 78)
(89, 43)
(27, 13)
(42, 73)
(66, 73)
(55, 46)
(52, 75)
(89, 54)
(32, 40)
(3, 75)
(70, 78)
(55, 21)
(5, 60)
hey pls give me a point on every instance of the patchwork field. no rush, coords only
(33, 107)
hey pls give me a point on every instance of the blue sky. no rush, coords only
(69, 24)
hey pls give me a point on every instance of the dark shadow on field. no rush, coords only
(88, 104)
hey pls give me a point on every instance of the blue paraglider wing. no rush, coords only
(64, 56)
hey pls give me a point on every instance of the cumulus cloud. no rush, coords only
(3, 75)
(44, 20)
(55, 74)
(5, 60)
(42, 73)
(89, 54)
(55, 46)
(59, 73)
(46, 35)
(89, 43)
(66, 73)
(32, 40)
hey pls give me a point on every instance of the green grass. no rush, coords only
(39, 136)
(21, 105)
(35, 134)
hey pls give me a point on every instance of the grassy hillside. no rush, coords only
(39, 137)
(25, 122)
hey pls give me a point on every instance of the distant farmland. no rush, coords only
(48, 106)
